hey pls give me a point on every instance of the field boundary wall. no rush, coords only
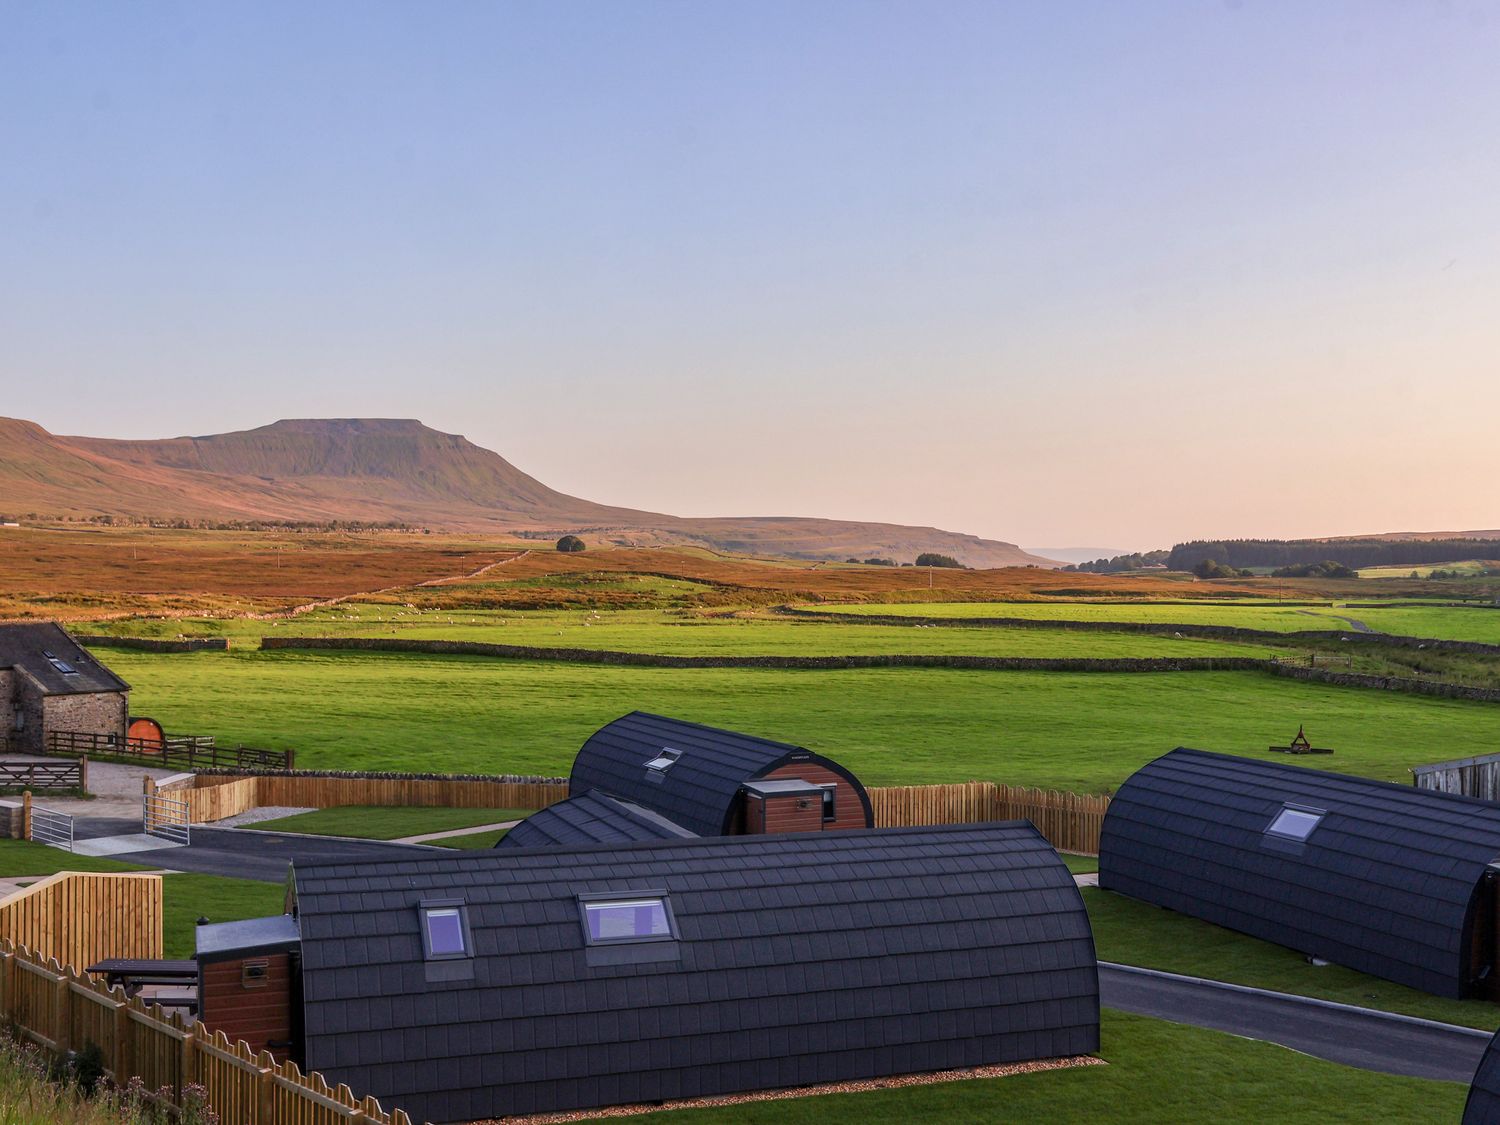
(664, 660)
(158, 644)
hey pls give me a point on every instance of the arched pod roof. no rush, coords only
(1372, 875)
(792, 960)
(591, 818)
(702, 770)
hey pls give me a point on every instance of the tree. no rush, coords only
(932, 558)
(571, 543)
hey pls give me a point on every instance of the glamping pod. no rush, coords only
(534, 981)
(1483, 1106)
(1391, 880)
(648, 777)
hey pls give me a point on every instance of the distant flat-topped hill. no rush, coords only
(378, 470)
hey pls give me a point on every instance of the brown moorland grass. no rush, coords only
(133, 569)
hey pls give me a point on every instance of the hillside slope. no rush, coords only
(379, 470)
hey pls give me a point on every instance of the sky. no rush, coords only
(1051, 273)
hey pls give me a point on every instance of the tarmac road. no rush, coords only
(1340, 1033)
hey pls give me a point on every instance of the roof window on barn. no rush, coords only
(445, 930)
(1295, 822)
(646, 916)
(60, 664)
(663, 760)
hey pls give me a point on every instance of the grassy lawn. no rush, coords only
(1081, 731)
(1465, 623)
(186, 898)
(382, 823)
(23, 857)
(1158, 1072)
(1136, 933)
(475, 841)
(1081, 864)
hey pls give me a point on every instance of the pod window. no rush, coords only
(1295, 822)
(830, 802)
(617, 919)
(445, 930)
(663, 760)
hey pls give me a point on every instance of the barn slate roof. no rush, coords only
(698, 791)
(25, 646)
(799, 959)
(1383, 884)
(592, 818)
(1483, 1104)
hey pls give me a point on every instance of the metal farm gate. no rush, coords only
(54, 828)
(166, 817)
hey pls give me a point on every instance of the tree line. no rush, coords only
(1354, 553)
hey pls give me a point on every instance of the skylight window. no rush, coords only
(61, 665)
(1295, 822)
(643, 917)
(445, 930)
(663, 760)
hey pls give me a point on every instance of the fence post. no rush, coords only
(291, 759)
(83, 774)
(265, 1090)
(62, 1013)
(120, 1057)
(26, 815)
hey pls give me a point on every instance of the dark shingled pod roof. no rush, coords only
(700, 789)
(799, 959)
(1383, 884)
(593, 818)
(25, 646)
(1483, 1106)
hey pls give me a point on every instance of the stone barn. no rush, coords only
(48, 682)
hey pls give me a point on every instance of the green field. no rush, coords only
(1462, 623)
(1136, 933)
(1158, 1072)
(1082, 731)
(686, 634)
(384, 823)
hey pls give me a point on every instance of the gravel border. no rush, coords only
(255, 816)
(931, 1078)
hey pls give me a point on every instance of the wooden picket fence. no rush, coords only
(60, 1010)
(80, 918)
(214, 796)
(1071, 822)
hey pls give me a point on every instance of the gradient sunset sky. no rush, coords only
(1055, 273)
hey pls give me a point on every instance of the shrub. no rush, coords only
(570, 543)
(932, 558)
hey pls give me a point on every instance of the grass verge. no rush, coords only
(1158, 1072)
(1137, 933)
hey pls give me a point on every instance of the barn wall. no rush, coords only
(28, 693)
(259, 1012)
(99, 712)
(849, 808)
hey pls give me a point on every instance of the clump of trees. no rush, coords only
(932, 558)
(1208, 568)
(1325, 569)
(1122, 562)
(571, 543)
